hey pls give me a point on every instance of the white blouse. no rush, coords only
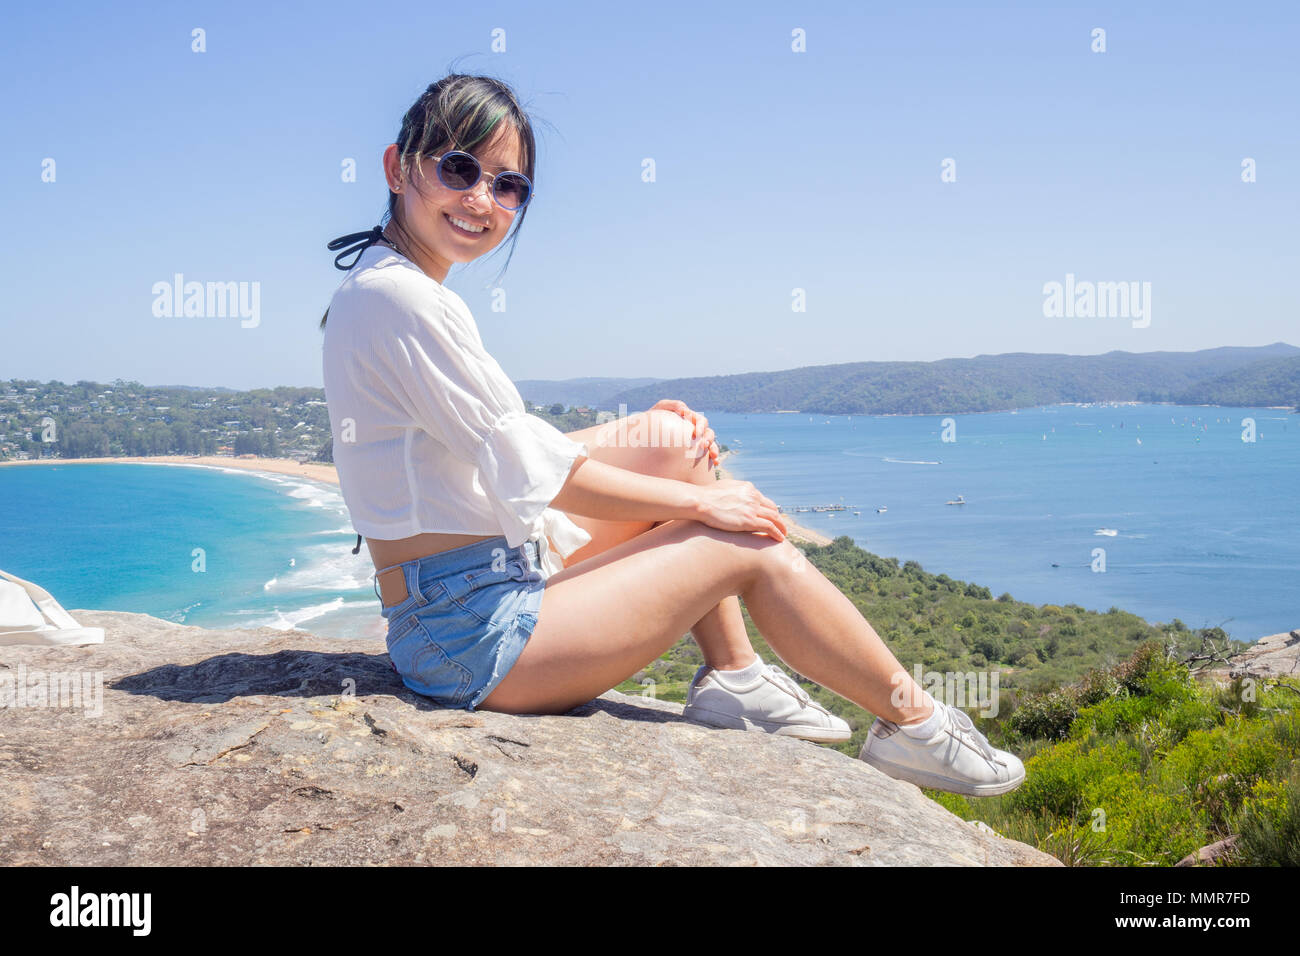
(430, 435)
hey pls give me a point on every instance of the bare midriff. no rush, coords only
(385, 554)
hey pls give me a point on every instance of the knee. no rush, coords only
(754, 553)
(674, 448)
(782, 557)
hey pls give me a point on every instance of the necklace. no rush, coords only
(393, 245)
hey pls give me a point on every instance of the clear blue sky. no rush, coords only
(775, 170)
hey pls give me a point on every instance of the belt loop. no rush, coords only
(412, 573)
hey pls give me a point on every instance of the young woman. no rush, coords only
(523, 570)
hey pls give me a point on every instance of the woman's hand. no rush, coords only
(732, 505)
(704, 435)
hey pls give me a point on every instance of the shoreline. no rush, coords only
(795, 532)
(318, 471)
(999, 411)
(314, 470)
(326, 473)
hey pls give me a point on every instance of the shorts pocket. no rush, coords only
(487, 593)
(425, 666)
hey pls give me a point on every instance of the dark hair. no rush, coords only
(460, 111)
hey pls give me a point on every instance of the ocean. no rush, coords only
(210, 547)
(1160, 510)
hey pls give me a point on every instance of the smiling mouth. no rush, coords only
(468, 232)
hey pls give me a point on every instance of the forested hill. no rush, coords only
(1260, 375)
(1268, 382)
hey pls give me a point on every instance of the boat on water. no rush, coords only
(857, 514)
(881, 510)
(960, 501)
(1108, 532)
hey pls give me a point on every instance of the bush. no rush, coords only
(1268, 826)
(1045, 716)
(1097, 685)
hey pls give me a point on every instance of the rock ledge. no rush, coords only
(241, 747)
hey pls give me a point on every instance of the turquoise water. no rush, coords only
(1205, 525)
(273, 550)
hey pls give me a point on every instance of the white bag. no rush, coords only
(23, 622)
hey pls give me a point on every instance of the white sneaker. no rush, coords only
(958, 758)
(772, 702)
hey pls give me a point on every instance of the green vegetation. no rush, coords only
(91, 420)
(1264, 375)
(1153, 766)
(126, 419)
(1268, 382)
(947, 625)
(1130, 760)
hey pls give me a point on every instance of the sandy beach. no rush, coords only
(796, 532)
(317, 471)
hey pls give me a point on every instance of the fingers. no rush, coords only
(780, 519)
(775, 521)
(700, 429)
(707, 445)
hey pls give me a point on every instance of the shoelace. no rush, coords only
(967, 727)
(788, 682)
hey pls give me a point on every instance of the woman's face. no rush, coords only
(428, 211)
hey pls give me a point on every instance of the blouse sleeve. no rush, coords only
(455, 391)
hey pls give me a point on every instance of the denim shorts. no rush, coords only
(466, 618)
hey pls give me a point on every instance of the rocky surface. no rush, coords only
(1277, 655)
(1212, 855)
(280, 747)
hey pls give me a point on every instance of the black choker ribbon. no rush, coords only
(356, 242)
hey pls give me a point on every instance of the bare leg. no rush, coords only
(720, 634)
(604, 619)
(722, 637)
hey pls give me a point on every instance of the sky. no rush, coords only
(833, 182)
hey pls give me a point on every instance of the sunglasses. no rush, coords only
(461, 171)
